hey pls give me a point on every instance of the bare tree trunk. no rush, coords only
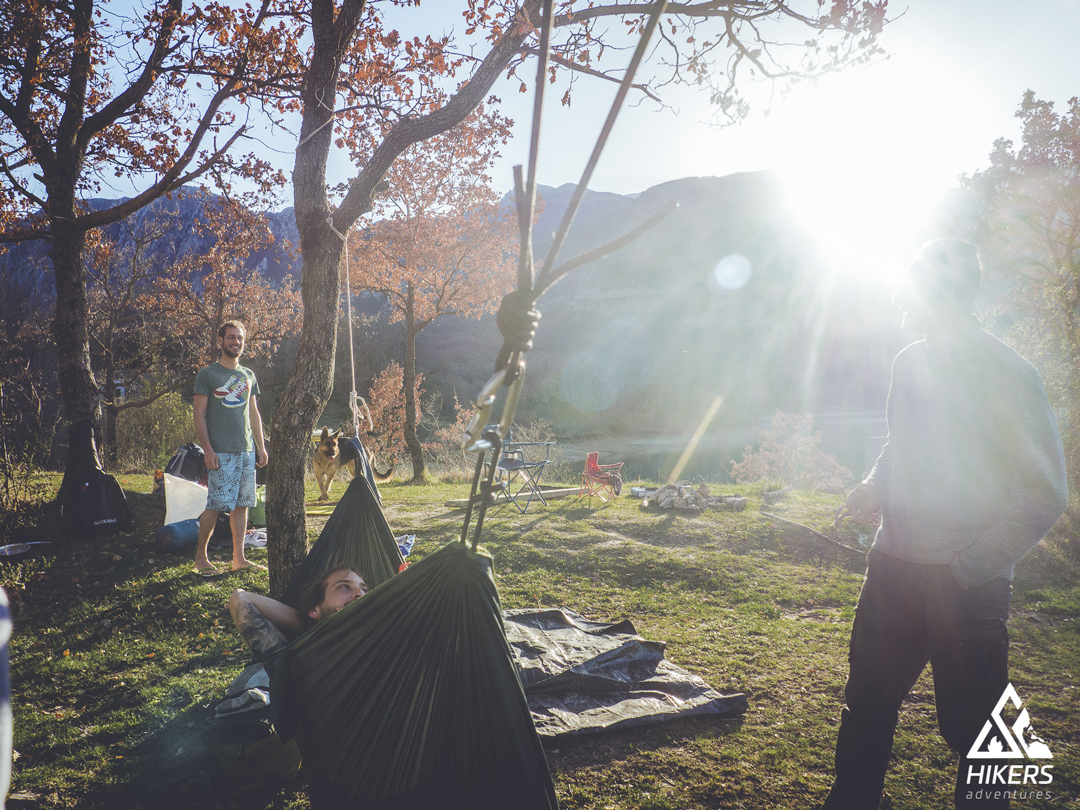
(78, 388)
(305, 396)
(409, 380)
(312, 379)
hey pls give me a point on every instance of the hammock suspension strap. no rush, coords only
(355, 400)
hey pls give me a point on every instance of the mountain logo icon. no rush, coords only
(1000, 741)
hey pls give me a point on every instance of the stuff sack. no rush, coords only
(90, 499)
(187, 462)
(179, 536)
(257, 513)
(98, 504)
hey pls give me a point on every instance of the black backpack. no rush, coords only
(90, 499)
(187, 462)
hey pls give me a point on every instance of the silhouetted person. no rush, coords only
(971, 478)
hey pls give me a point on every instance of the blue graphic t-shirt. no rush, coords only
(228, 392)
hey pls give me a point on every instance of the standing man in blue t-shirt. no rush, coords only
(229, 428)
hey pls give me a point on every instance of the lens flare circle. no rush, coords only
(731, 273)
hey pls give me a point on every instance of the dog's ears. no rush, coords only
(325, 433)
(335, 434)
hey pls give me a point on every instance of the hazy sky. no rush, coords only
(866, 152)
(866, 155)
(955, 76)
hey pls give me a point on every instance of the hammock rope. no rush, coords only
(355, 400)
(517, 316)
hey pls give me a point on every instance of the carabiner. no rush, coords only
(473, 441)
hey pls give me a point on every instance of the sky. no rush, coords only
(955, 75)
(866, 154)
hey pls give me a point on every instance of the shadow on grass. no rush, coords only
(175, 766)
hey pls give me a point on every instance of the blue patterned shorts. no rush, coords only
(232, 485)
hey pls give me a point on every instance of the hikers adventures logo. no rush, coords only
(998, 740)
(1015, 745)
(233, 393)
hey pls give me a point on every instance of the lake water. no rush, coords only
(855, 438)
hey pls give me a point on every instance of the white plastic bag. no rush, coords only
(183, 499)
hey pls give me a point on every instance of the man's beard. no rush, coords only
(232, 353)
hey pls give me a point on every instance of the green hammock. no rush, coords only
(409, 697)
(356, 535)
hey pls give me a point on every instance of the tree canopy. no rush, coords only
(439, 242)
(1029, 233)
(93, 94)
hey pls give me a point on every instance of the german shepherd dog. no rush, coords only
(334, 453)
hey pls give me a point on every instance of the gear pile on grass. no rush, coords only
(683, 497)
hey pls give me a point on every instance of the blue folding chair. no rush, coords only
(519, 469)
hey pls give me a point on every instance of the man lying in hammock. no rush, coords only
(268, 625)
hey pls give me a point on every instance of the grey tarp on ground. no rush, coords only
(581, 676)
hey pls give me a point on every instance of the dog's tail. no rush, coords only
(382, 476)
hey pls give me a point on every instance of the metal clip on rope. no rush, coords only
(479, 438)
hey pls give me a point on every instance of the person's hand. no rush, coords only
(261, 457)
(210, 459)
(864, 504)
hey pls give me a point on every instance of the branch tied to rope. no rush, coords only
(517, 316)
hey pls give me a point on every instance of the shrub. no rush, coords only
(444, 453)
(25, 493)
(789, 454)
(454, 466)
(147, 436)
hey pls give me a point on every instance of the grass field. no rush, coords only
(748, 600)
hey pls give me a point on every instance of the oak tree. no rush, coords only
(95, 92)
(388, 403)
(126, 348)
(1029, 234)
(366, 84)
(203, 289)
(439, 243)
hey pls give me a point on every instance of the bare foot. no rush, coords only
(247, 565)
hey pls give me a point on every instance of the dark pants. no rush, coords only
(910, 614)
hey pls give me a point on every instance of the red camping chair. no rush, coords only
(597, 477)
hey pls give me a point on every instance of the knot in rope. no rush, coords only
(517, 319)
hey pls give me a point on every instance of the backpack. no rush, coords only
(100, 505)
(90, 499)
(187, 462)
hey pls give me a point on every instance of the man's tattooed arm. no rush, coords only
(263, 623)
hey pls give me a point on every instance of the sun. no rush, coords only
(862, 220)
(864, 176)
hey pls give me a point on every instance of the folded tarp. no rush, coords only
(581, 676)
